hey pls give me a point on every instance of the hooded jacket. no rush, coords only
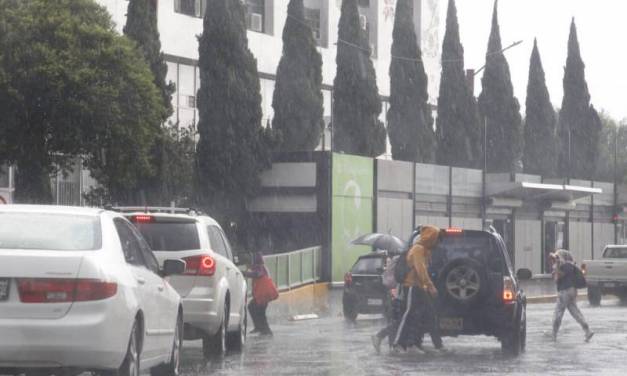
(419, 257)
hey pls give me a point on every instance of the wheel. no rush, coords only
(237, 340)
(215, 345)
(131, 363)
(173, 368)
(350, 311)
(523, 332)
(594, 296)
(463, 282)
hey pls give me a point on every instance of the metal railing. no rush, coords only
(293, 269)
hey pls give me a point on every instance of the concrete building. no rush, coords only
(180, 21)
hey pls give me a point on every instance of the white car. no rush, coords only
(81, 290)
(213, 289)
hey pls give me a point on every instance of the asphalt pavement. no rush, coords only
(330, 346)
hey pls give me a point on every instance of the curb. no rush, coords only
(551, 298)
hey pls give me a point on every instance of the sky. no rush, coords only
(602, 32)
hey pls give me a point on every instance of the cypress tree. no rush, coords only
(500, 108)
(297, 100)
(141, 26)
(410, 124)
(579, 123)
(232, 149)
(357, 105)
(458, 131)
(540, 156)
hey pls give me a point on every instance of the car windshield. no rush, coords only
(616, 253)
(368, 265)
(170, 236)
(54, 232)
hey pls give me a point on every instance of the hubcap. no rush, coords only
(463, 282)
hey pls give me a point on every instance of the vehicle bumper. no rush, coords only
(367, 304)
(201, 313)
(91, 336)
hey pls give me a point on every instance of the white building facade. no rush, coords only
(180, 21)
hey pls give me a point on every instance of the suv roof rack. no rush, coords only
(154, 209)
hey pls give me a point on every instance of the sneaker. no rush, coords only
(376, 342)
(551, 336)
(589, 335)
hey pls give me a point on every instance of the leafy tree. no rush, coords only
(75, 88)
(297, 98)
(357, 105)
(579, 124)
(540, 122)
(410, 124)
(232, 148)
(500, 108)
(612, 142)
(458, 132)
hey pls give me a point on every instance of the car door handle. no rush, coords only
(141, 281)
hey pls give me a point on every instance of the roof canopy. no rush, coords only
(530, 191)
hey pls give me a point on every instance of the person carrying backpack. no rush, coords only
(418, 293)
(568, 278)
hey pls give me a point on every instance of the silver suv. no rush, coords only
(213, 289)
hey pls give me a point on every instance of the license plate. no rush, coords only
(451, 323)
(611, 284)
(375, 302)
(4, 289)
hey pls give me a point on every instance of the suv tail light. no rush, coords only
(454, 231)
(348, 279)
(142, 218)
(203, 265)
(584, 269)
(37, 290)
(509, 293)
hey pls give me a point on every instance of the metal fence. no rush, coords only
(293, 269)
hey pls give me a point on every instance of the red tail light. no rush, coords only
(509, 293)
(200, 265)
(34, 290)
(454, 230)
(348, 279)
(142, 219)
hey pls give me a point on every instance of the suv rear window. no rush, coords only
(478, 246)
(368, 265)
(163, 236)
(47, 231)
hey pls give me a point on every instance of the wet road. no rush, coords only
(329, 346)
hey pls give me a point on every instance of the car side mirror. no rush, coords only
(173, 267)
(524, 274)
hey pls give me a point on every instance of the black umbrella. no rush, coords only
(386, 242)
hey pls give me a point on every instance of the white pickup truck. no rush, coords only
(607, 275)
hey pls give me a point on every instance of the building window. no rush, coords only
(312, 16)
(195, 8)
(191, 101)
(256, 15)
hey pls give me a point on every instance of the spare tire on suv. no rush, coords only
(462, 282)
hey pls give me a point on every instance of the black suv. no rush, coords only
(363, 287)
(479, 293)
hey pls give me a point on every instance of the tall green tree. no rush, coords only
(612, 150)
(500, 108)
(540, 122)
(142, 27)
(458, 131)
(76, 88)
(579, 123)
(297, 101)
(232, 148)
(357, 105)
(410, 123)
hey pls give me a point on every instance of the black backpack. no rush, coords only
(401, 269)
(580, 279)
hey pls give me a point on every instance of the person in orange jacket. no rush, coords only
(418, 294)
